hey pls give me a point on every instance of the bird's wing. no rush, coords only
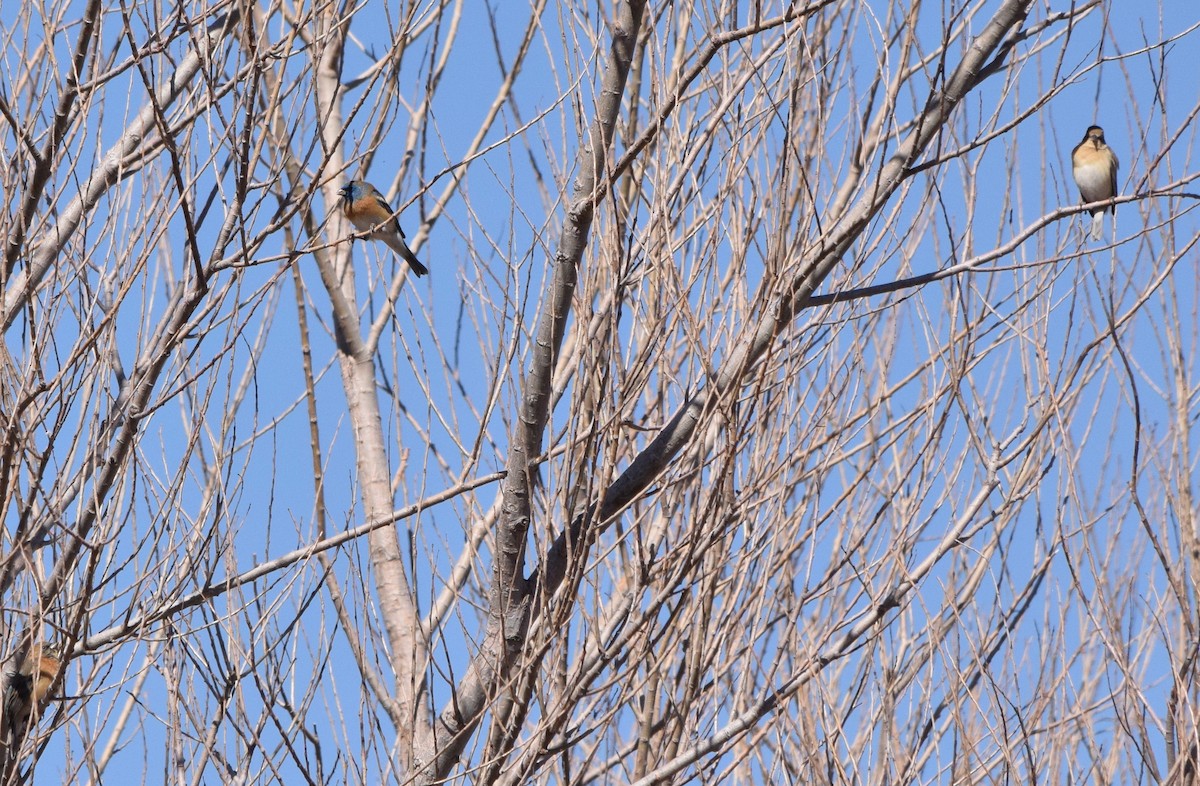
(392, 222)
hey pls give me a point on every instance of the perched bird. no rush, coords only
(1095, 167)
(369, 211)
(26, 692)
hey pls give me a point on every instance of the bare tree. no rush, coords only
(765, 417)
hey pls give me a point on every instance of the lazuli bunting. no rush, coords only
(369, 211)
(1095, 167)
(26, 690)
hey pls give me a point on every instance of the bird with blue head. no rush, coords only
(369, 212)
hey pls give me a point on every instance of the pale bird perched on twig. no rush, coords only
(1095, 168)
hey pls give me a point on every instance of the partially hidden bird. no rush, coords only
(369, 212)
(1095, 168)
(27, 691)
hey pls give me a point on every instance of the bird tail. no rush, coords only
(1098, 225)
(400, 247)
